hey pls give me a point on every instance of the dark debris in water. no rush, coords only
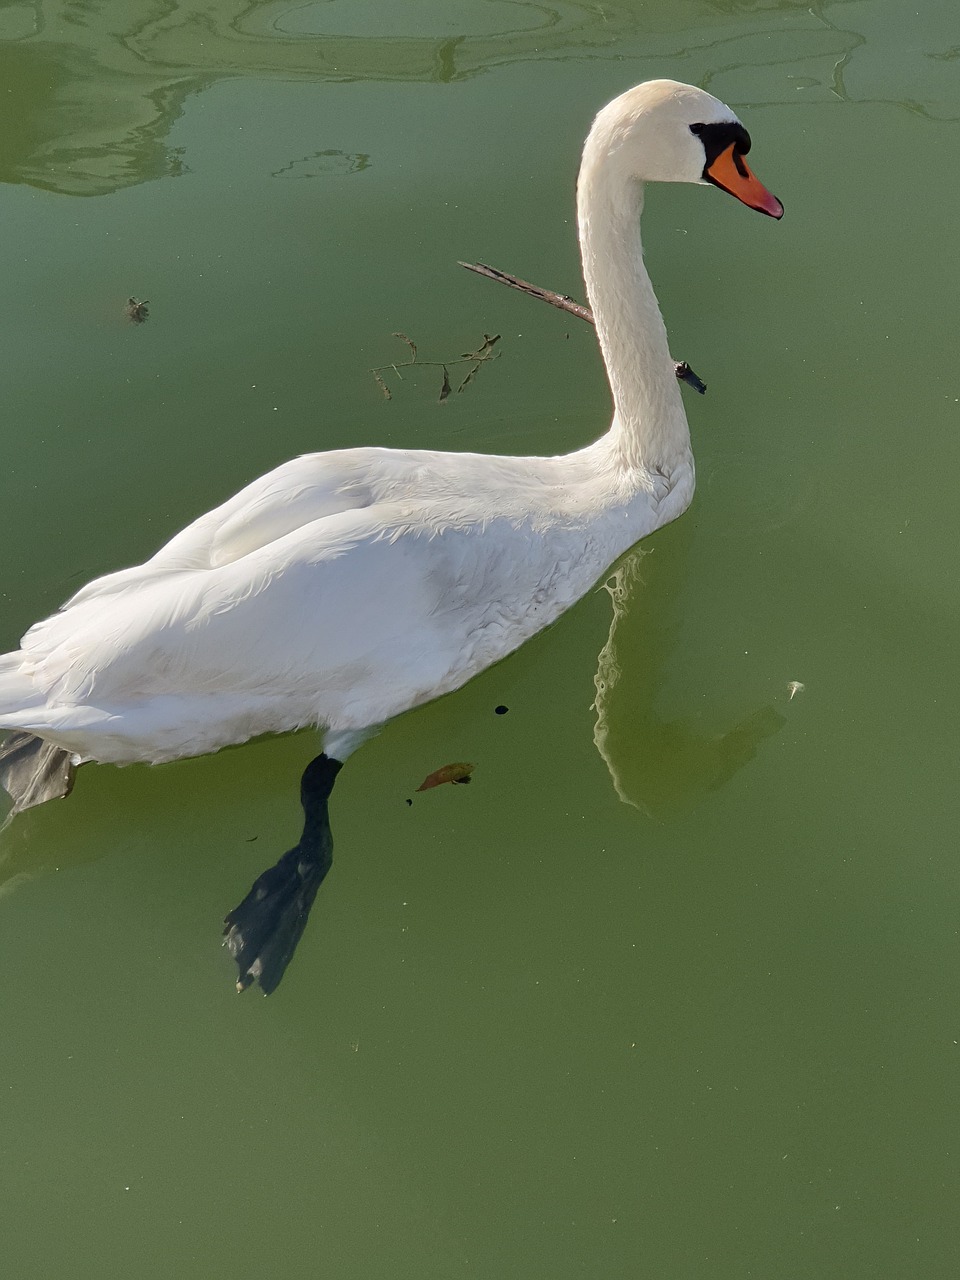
(137, 311)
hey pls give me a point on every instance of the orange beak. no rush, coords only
(729, 172)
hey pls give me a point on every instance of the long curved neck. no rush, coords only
(649, 424)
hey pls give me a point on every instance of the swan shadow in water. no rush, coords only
(660, 767)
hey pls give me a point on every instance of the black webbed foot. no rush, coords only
(263, 931)
(685, 374)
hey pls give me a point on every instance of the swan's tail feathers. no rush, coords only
(33, 771)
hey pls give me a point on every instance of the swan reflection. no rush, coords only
(659, 766)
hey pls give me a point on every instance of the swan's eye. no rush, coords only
(720, 137)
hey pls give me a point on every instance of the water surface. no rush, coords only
(670, 989)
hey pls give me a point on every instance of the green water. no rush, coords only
(668, 993)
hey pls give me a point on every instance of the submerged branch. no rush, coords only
(564, 302)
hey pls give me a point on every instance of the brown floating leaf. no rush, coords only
(449, 773)
(409, 341)
(445, 389)
(382, 385)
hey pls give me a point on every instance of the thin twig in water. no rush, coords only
(475, 359)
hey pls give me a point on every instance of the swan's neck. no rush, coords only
(649, 425)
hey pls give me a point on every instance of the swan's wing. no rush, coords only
(294, 495)
(344, 622)
(332, 613)
(354, 607)
(287, 498)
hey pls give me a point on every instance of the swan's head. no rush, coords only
(663, 131)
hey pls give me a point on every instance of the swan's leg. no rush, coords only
(263, 932)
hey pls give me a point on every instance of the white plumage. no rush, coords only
(344, 588)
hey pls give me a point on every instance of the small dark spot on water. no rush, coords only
(250, 839)
(136, 311)
(409, 802)
(501, 710)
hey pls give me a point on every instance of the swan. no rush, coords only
(346, 587)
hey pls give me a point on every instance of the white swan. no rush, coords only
(346, 587)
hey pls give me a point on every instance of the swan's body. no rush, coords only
(344, 588)
(338, 590)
